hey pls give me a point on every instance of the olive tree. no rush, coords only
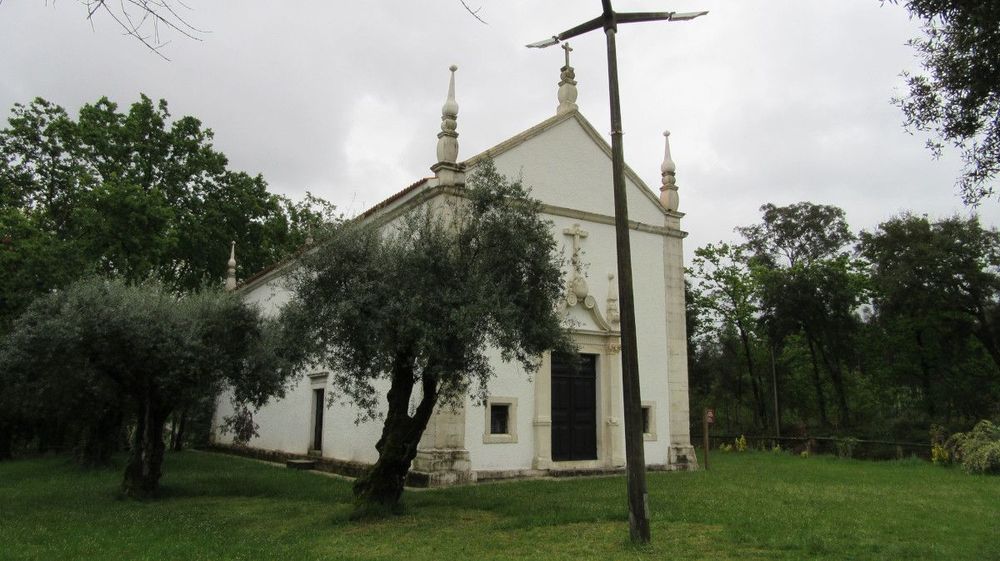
(104, 348)
(417, 303)
(957, 96)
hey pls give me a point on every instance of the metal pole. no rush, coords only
(635, 458)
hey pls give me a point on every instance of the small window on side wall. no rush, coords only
(500, 424)
(649, 420)
(499, 418)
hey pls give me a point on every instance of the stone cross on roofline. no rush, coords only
(567, 85)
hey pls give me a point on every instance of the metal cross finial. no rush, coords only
(568, 49)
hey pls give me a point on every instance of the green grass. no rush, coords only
(749, 506)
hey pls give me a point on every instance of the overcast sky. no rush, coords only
(767, 101)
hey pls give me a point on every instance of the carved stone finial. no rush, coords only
(567, 85)
(447, 148)
(447, 169)
(668, 189)
(231, 269)
(614, 317)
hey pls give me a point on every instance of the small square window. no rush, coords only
(499, 418)
(645, 421)
(500, 422)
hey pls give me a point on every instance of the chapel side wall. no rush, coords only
(286, 424)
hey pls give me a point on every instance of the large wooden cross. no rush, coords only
(638, 499)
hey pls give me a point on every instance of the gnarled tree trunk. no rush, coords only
(145, 464)
(380, 489)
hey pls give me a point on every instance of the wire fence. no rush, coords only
(843, 446)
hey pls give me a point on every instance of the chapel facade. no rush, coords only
(558, 419)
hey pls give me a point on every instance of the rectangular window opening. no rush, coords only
(645, 420)
(500, 418)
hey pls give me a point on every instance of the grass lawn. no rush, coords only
(750, 506)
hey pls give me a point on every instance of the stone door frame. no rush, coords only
(610, 435)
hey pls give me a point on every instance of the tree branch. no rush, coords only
(475, 13)
(145, 27)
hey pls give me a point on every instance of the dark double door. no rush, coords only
(574, 408)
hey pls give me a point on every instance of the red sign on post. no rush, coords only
(710, 416)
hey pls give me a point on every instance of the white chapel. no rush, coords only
(559, 420)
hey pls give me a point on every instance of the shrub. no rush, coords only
(846, 446)
(979, 449)
(726, 448)
(940, 454)
(804, 454)
(740, 444)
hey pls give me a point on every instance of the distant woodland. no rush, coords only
(811, 328)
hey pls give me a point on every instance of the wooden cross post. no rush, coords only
(638, 498)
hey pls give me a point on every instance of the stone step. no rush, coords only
(300, 464)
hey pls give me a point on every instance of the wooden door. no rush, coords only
(574, 408)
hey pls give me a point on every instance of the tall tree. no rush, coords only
(132, 194)
(418, 302)
(797, 233)
(819, 299)
(809, 283)
(725, 287)
(107, 350)
(958, 98)
(939, 282)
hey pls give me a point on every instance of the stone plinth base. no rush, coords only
(441, 468)
(683, 458)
